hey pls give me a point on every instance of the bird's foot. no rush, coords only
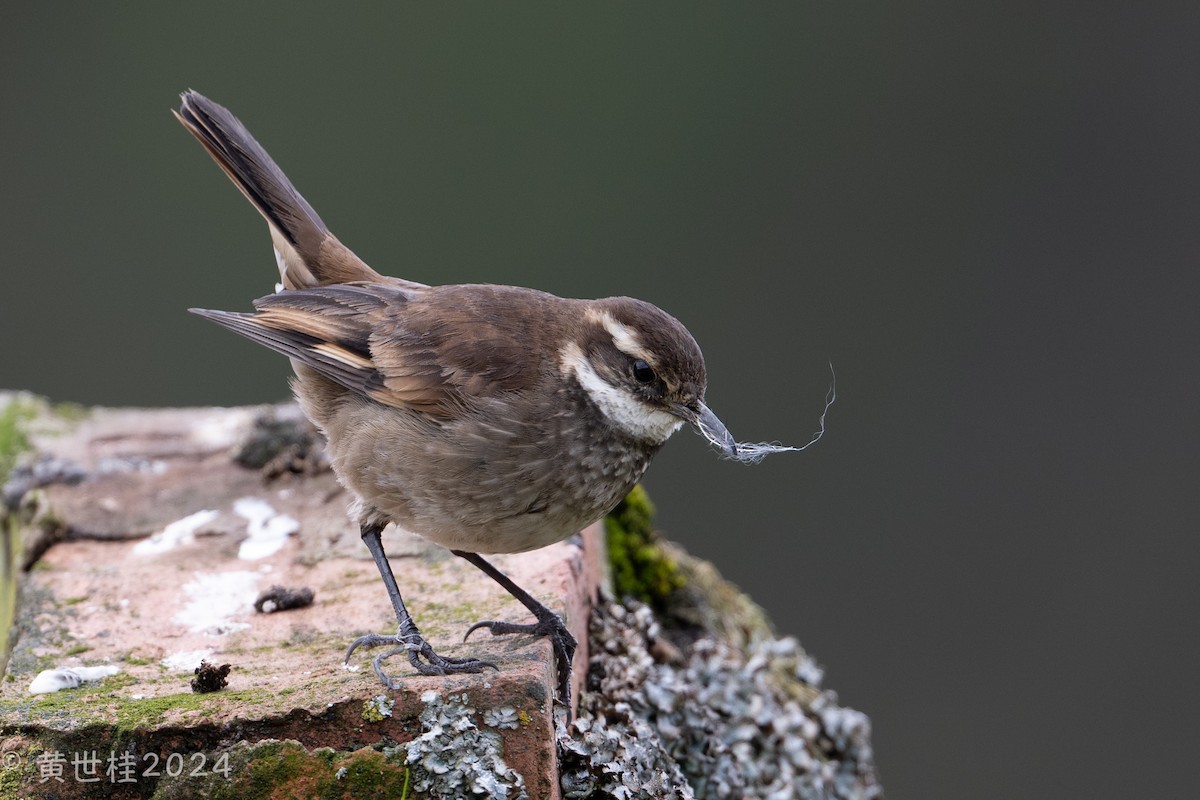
(420, 654)
(552, 627)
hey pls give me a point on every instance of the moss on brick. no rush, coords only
(13, 440)
(278, 769)
(641, 567)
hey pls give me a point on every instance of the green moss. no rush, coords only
(57, 709)
(641, 568)
(443, 619)
(77, 649)
(118, 681)
(265, 770)
(279, 769)
(13, 440)
(274, 764)
(71, 412)
(18, 771)
(10, 558)
(148, 711)
(90, 703)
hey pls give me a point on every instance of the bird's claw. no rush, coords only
(421, 655)
(552, 627)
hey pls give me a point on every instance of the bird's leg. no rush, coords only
(420, 654)
(549, 624)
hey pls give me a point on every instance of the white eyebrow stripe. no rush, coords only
(622, 335)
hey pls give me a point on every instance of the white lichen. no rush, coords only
(722, 725)
(456, 758)
(505, 717)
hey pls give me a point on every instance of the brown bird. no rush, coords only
(485, 418)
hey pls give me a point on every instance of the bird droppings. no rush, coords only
(280, 598)
(179, 532)
(455, 757)
(185, 661)
(724, 724)
(214, 599)
(210, 677)
(55, 680)
(221, 430)
(267, 530)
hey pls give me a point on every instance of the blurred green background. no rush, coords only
(987, 217)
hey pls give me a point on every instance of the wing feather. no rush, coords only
(329, 329)
(427, 349)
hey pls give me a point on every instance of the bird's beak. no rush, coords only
(707, 425)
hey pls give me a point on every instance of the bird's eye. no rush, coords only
(642, 373)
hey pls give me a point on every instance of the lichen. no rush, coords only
(722, 723)
(378, 708)
(454, 757)
(503, 717)
(640, 566)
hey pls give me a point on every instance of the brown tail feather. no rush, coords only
(309, 255)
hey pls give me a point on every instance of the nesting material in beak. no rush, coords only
(711, 428)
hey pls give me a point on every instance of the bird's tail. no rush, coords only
(308, 254)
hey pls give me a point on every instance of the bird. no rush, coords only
(485, 418)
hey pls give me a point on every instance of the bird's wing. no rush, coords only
(423, 351)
